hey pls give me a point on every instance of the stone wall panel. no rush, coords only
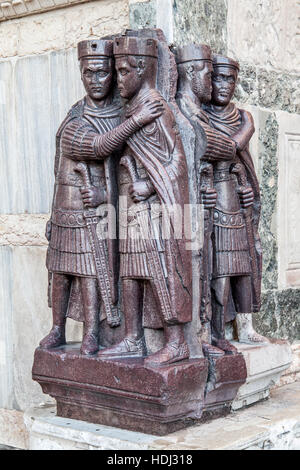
(203, 21)
(61, 29)
(265, 33)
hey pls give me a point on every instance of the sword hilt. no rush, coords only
(239, 170)
(129, 163)
(207, 176)
(84, 172)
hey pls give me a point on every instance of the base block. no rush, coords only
(226, 375)
(122, 392)
(265, 363)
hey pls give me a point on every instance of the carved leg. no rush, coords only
(91, 304)
(245, 330)
(242, 292)
(175, 349)
(134, 343)
(221, 290)
(61, 285)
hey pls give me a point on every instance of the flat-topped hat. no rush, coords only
(95, 48)
(192, 52)
(128, 45)
(223, 61)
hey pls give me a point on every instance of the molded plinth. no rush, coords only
(122, 392)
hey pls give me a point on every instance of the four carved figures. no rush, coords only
(120, 173)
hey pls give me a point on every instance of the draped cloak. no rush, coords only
(228, 122)
(101, 120)
(159, 150)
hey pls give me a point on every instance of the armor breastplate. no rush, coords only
(68, 183)
(225, 184)
(67, 175)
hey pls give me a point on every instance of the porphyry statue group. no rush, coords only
(110, 265)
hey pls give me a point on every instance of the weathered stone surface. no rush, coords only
(123, 392)
(268, 88)
(203, 21)
(292, 374)
(23, 229)
(28, 134)
(288, 200)
(23, 8)
(13, 431)
(266, 322)
(273, 425)
(6, 341)
(265, 33)
(268, 169)
(62, 29)
(265, 363)
(25, 319)
(142, 14)
(280, 314)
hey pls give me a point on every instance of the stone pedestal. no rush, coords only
(265, 363)
(226, 375)
(272, 424)
(122, 392)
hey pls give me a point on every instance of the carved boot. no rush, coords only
(225, 345)
(245, 331)
(55, 338)
(172, 352)
(128, 347)
(213, 351)
(90, 341)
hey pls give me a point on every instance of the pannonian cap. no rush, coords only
(127, 45)
(221, 61)
(193, 52)
(95, 48)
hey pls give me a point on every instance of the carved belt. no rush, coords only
(223, 175)
(71, 179)
(228, 220)
(72, 219)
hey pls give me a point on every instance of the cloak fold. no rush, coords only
(159, 149)
(228, 122)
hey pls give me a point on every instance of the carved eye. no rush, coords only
(94, 46)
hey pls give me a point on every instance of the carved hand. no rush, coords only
(148, 111)
(93, 197)
(246, 197)
(209, 198)
(141, 190)
(243, 136)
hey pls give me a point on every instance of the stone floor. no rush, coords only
(272, 424)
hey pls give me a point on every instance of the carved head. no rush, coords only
(97, 67)
(224, 80)
(195, 68)
(136, 62)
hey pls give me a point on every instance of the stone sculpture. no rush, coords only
(156, 273)
(83, 266)
(194, 90)
(236, 243)
(128, 158)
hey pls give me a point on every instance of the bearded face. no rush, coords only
(200, 78)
